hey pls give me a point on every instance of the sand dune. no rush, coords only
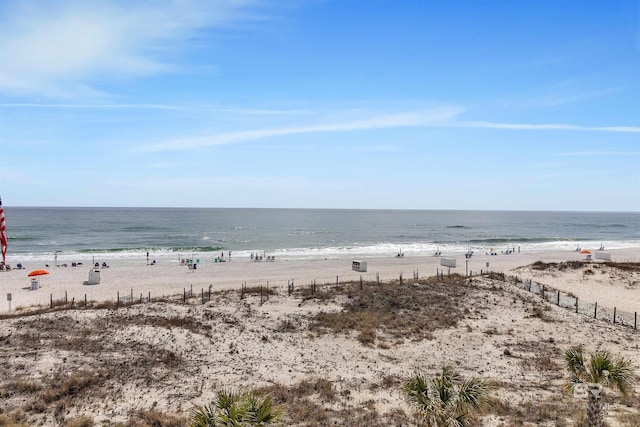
(168, 356)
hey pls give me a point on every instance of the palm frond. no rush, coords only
(416, 390)
(598, 368)
(202, 416)
(446, 399)
(474, 393)
(574, 363)
(261, 411)
(443, 385)
(621, 375)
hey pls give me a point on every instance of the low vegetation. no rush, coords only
(95, 357)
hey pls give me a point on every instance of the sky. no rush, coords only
(487, 105)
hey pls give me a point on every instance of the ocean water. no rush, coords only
(80, 233)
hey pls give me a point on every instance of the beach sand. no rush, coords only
(169, 277)
(136, 362)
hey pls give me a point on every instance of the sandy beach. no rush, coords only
(160, 359)
(169, 277)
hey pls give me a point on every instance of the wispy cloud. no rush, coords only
(555, 99)
(94, 106)
(405, 119)
(552, 126)
(61, 49)
(440, 117)
(600, 154)
(266, 112)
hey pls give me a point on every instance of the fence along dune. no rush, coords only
(560, 279)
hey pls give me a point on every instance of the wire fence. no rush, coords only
(265, 288)
(572, 302)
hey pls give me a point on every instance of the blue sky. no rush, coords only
(527, 105)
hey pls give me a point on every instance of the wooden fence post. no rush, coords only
(595, 311)
(576, 304)
(118, 300)
(361, 282)
(558, 298)
(51, 299)
(614, 315)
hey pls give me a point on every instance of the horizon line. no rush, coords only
(317, 208)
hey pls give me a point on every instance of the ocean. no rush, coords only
(37, 233)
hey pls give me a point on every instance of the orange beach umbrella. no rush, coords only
(585, 251)
(37, 273)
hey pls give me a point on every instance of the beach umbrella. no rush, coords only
(585, 251)
(37, 273)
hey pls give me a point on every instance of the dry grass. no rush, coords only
(14, 419)
(376, 317)
(624, 266)
(83, 421)
(548, 412)
(312, 403)
(408, 311)
(575, 265)
(152, 418)
(260, 290)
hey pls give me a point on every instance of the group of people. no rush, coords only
(221, 257)
(510, 251)
(7, 267)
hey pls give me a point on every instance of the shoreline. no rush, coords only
(125, 276)
(165, 357)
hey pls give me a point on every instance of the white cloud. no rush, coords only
(407, 119)
(555, 99)
(58, 49)
(600, 154)
(438, 117)
(552, 126)
(93, 106)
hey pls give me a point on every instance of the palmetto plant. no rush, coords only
(589, 378)
(236, 409)
(446, 399)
